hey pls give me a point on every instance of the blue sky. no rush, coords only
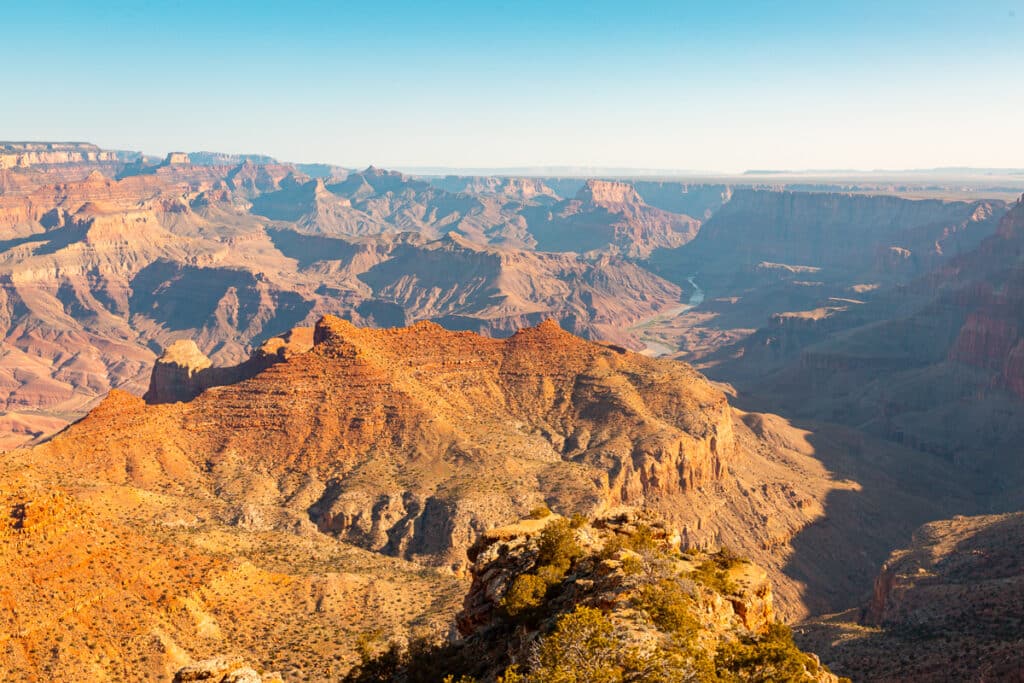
(711, 86)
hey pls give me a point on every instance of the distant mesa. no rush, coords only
(608, 192)
(609, 215)
(32, 154)
(174, 158)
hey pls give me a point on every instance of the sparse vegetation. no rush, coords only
(771, 658)
(586, 617)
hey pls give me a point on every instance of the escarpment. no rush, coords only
(35, 154)
(840, 233)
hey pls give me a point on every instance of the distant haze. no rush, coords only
(713, 87)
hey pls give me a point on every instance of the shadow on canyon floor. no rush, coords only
(837, 557)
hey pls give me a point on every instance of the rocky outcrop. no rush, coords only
(182, 372)
(174, 373)
(591, 426)
(502, 554)
(683, 615)
(956, 565)
(223, 670)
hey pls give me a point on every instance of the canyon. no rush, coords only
(320, 388)
(100, 273)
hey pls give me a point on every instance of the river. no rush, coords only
(654, 347)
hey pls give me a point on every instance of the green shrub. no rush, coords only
(557, 545)
(669, 607)
(712, 575)
(581, 649)
(770, 658)
(524, 595)
(632, 565)
(611, 547)
(550, 573)
(643, 541)
(726, 558)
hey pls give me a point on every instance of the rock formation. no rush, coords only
(182, 372)
(223, 670)
(467, 410)
(608, 214)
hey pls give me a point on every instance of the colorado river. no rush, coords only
(654, 347)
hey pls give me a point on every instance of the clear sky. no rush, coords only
(709, 86)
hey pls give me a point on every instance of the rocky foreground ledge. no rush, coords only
(613, 599)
